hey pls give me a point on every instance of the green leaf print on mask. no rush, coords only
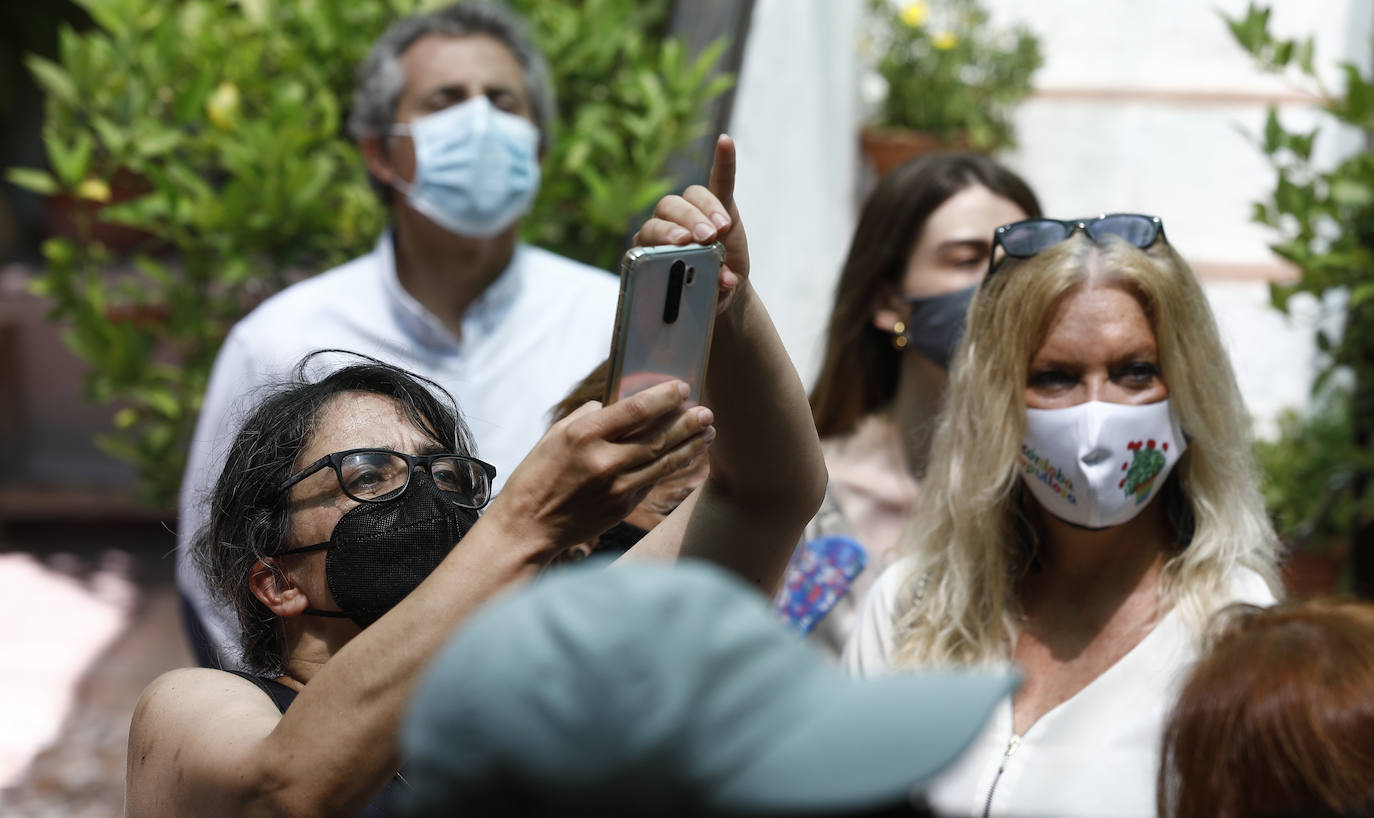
(1146, 464)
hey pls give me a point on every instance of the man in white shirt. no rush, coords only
(452, 115)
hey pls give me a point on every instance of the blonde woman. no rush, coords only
(1090, 502)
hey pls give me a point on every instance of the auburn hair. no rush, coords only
(1277, 719)
(591, 387)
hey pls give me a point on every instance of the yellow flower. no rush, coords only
(944, 41)
(223, 106)
(913, 14)
(94, 189)
(125, 417)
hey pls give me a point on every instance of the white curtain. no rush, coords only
(795, 120)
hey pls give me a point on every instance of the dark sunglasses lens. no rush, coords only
(1140, 231)
(1025, 239)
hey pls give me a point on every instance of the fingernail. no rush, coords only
(705, 416)
(683, 389)
(709, 435)
(679, 234)
(703, 231)
(721, 220)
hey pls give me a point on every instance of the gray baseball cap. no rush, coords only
(661, 689)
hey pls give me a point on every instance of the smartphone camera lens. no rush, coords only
(672, 305)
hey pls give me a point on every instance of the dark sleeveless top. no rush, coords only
(387, 803)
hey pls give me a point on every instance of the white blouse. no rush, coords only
(1096, 754)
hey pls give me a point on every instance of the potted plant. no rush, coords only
(1324, 218)
(1308, 483)
(943, 77)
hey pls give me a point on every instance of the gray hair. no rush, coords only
(250, 514)
(381, 78)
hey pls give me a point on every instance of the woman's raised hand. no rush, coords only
(703, 215)
(594, 466)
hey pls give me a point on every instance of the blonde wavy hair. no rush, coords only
(972, 544)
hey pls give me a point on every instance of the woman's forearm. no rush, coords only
(767, 474)
(767, 453)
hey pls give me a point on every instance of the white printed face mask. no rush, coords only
(476, 167)
(1098, 464)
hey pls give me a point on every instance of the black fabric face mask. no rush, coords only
(619, 538)
(380, 552)
(937, 324)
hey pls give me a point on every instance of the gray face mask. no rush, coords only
(937, 324)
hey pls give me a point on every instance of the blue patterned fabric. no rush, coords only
(819, 574)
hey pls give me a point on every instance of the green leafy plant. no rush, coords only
(1308, 479)
(628, 99)
(948, 72)
(1325, 222)
(213, 130)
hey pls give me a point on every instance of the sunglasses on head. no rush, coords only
(1027, 238)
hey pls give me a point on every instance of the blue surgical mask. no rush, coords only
(937, 324)
(476, 167)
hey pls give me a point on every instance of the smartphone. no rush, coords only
(664, 321)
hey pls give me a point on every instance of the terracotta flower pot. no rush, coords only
(1315, 573)
(886, 148)
(78, 219)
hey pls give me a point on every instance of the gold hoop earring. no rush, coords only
(899, 339)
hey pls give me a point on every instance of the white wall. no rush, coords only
(1147, 107)
(1153, 107)
(795, 121)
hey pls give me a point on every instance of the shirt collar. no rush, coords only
(482, 318)
(490, 309)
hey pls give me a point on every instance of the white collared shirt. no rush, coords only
(525, 342)
(1095, 755)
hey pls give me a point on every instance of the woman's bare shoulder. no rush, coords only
(189, 705)
(194, 687)
(192, 737)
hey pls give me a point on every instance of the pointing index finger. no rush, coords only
(722, 180)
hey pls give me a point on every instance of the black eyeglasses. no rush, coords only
(1027, 238)
(374, 475)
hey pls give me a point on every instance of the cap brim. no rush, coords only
(870, 744)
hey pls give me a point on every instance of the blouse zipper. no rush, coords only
(1011, 748)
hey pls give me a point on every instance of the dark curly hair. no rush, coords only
(249, 514)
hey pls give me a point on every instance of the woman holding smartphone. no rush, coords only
(345, 523)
